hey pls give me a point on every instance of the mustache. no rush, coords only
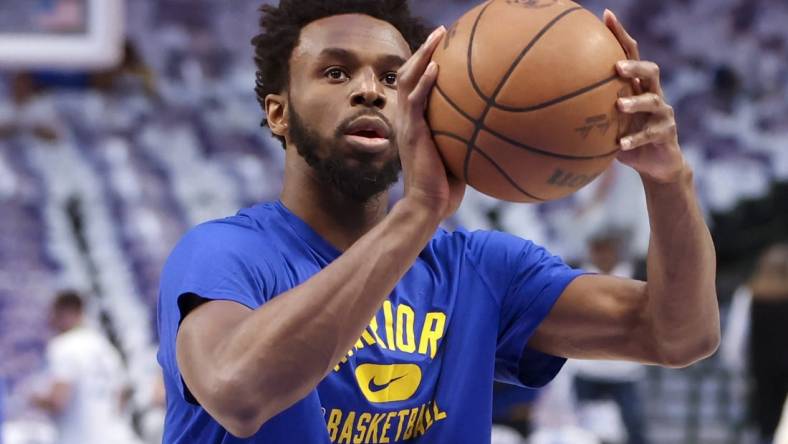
(345, 125)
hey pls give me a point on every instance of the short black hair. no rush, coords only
(282, 26)
(68, 300)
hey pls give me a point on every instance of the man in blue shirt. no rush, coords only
(323, 317)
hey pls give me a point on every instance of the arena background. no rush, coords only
(109, 152)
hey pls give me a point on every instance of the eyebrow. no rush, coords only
(351, 57)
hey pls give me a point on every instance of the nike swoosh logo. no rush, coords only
(373, 387)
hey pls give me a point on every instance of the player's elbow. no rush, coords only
(238, 409)
(692, 351)
(240, 421)
(239, 427)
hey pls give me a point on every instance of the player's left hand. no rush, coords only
(652, 145)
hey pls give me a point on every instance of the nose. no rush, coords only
(368, 91)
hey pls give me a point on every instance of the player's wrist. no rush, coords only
(421, 212)
(681, 178)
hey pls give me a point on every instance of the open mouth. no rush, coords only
(368, 127)
(368, 133)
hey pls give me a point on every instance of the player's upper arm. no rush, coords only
(599, 317)
(204, 328)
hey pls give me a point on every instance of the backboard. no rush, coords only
(61, 34)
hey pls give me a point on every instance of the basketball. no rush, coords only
(524, 107)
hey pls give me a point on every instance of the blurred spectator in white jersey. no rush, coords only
(87, 382)
(600, 381)
(757, 336)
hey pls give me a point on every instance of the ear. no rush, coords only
(276, 114)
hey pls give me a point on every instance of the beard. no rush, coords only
(359, 182)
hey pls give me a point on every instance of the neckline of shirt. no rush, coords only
(306, 233)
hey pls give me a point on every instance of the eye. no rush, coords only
(390, 79)
(337, 74)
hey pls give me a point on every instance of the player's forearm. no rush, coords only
(682, 299)
(283, 350)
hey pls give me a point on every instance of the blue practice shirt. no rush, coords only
(423, 369)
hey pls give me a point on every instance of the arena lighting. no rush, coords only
(99, 46)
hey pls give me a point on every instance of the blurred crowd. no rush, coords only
(101, 172)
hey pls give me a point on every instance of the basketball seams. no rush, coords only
(480, 124)
(491, 101)
(535, 150)
(506, 176)
(469, 64)
(453, 104)
(511, 141)
(557, 100)
(469, 58)
(450, 135)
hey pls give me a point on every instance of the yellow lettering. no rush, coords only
(373, 325)
(420, 422)
(389, 320)
(363, 419)
(432, 332)
(368, 337)
(377, 428)
(347, 429)
(427, 417)
(373, 427)
(437, 412)
(384, 434)
(333, 423)
(411, 429)
(405, 319)
(401, 422)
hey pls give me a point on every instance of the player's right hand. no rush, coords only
(427, 182)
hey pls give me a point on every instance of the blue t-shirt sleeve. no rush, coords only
(527, 281)
(215, 261)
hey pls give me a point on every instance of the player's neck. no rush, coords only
(337, 218)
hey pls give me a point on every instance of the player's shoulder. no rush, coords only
(249, 227)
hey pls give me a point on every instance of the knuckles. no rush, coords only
(672, 130)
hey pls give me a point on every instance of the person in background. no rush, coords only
(22, 113)
(87, 380)
(755, 337)
(768, 343)
(615, 380)
(131, 75)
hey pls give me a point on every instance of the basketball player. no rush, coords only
(323, 317)
(84, 398)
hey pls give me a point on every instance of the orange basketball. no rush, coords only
(524, 106)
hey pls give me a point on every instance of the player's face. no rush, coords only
(343, 99)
